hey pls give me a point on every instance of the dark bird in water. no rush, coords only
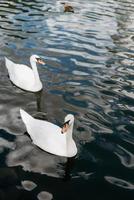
(67, 7)
(60, 7)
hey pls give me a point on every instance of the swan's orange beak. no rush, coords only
(65, 127)
(40, 61)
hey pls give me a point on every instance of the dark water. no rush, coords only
(89, 72)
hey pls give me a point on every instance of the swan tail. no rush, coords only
(9, 65)
(26, 118)
(8, 62)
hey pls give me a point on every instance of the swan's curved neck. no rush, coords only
(69, 133)
(35, 71)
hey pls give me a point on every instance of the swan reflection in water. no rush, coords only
(40, 102)
(33, 159)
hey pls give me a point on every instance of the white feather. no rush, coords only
(48, 136)
(23, 76)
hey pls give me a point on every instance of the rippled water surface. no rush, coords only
(89, 72)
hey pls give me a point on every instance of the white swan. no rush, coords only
(51, 137)
(23, 76)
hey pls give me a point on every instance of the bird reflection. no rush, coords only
(68, 168)
(33, 159)
(39, 100)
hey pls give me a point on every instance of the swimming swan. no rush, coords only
(51, 137)
(23, 76)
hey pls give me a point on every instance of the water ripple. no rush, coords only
(126, 157)
(119, 182)
(88, 72)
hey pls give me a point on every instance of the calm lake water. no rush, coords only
(89, 72)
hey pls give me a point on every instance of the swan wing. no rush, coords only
(45, 134)
(21, 75)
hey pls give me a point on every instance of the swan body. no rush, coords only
(23, 76)
(49, 136)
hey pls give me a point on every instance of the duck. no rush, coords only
(67, 7)
(50, 137)
(23, 76)
(59, 7)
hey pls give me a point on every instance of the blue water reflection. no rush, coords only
(89, 72)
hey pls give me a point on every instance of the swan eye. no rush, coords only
(65, 127)
(40, 61)
(67, 122)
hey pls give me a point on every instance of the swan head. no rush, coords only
(37, 59)
(68, 123)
